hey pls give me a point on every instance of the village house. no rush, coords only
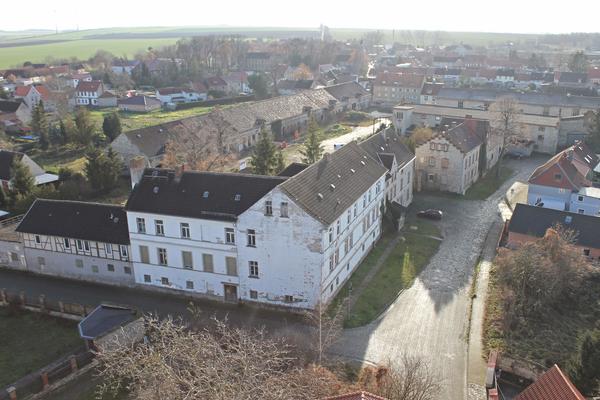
(216, 84)
(566, 182)
(394, 88)
(141, 103)
(77, 240)
(449, 161)
(13, 114)
(74, 79)
(174, 95)
(388, 149)
(124, 66)
(31, 95)
(237, 83)
(529, 223)
(87, 93)
(541, 132)
(350, 96)
(7, 160)
(429, 92)
(228, 235)
(259, 61)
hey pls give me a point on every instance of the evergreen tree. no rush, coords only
(584, 368)
(102, 170)
(22, 180)
(39, 124)
(578, 62)
(84, 125)
(111, 126)
(279, 162)
(312, 149)
(258, 84)
(263, 158)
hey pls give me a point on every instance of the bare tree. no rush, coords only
(327, 328)
(505, 124)
(177, 362)
(410, 378)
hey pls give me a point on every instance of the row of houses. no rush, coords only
(224, 235)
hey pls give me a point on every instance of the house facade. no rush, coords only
(174, 95)
(7, 160)
(87, 93)
(394, 88)
(229, 236)
(141, 103)
(350, 96)
(77, 240)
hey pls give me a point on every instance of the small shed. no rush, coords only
(108, 322)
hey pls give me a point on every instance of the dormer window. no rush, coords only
(205, 195)
(558, 177)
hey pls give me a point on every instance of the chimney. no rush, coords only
(136, 170)
(326, 157)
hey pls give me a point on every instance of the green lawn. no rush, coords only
(398, 272)
(486, 186)
(29, 341)
(71, 156)
(423, 226)
(131, 121)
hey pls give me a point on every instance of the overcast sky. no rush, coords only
(526, 16)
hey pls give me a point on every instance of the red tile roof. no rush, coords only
(552, 385)
(361, 395)
(91, 86)
(594, 73)
(400, 79)
(573, 164)
(43, 91)
(22, 91)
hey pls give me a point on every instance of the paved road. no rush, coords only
(430, 318)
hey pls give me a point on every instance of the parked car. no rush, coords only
(431, 214)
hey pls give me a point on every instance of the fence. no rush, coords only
(42, 379)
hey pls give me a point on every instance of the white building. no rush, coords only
(87, 93)
(231, 235)
(173, 95)
(77, 240)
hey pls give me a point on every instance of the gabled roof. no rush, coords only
(431, 88)
(104, 319)
(535, 221)
(214, 81)
(571, 177)
(361, 395)
(346, 90)
(171, 90)
(77, 220)
(464, 136)
(22, 91)
(552, 385)
(139, 100)
(400, 79)
(332, 185)
(387, 142)
(204, 195)
(293, 169)
(88, 86)
(9, 106)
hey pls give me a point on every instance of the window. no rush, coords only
(79, 263)
(355, 209)
(41, 262)
(288, 298)
(268, 208)
(431, 161)
(580, 211)
(141, 225)
(346, 245)
(445, 163)
(144, 257)
(253, 294)
(336, 256)
(284, 209)
(231, 265)
(110, 268)
(541, 129)
(189, 285)
(331, 263)
(579, 198)
(330, 235)
(14, 257)
(86, 245)
(557, 177)
(186, 259)
(207, 262)
(251, 238)
(159, 227)
(79, 244)
(185, 230)
(348, 217)
(127, 270)
(364, 201)
(430, 177)
(147, 278)
(586, 252)
(164, 280)
(124, 251)
(108, 248)
(461, 104)
(229, 236)
(38, 240)
(253, 267)
(337, 227)
(67, 243)
(431, 146)
(162, 256)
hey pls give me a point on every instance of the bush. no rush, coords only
(356, 116)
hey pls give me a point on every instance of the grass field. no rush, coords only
(29, 341)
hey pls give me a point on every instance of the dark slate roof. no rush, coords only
(535, 221)
(104, 319)
(7, 158)
(160, 192)
(293, 169)
(462, 137)
(139, 100)
(387, 142)
(334, 169)
(291, 84)
(9, 106)
(346, 90)
(78, 220)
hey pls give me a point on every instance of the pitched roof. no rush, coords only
(205, 195)
(214, 81)
(535, 221)
(361, 395)
(104, 319)
(400, 79)
(464, 136)
(290, 84)
(22, 91)
(571, 177)
(88, 86)
(7, 158)
(346, 90)
(387, 142)
(293, 169)
(43, 91)
(431, 88)
(139, 100)
(9, 106)
(552, 385)
(73, 219)
(328, 187)
(171, 90)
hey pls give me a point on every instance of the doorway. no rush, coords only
(230, 292)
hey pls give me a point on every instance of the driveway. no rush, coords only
(430, 319)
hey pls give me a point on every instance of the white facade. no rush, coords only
(586, 201)
(399, 187)
(183, 96)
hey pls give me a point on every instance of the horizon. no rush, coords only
(460, 16)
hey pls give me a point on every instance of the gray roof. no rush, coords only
(526, 98)
(387, 142)
(346, 90)
(462, 137)
(141, 100)
(329, 187)
(104, 319)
